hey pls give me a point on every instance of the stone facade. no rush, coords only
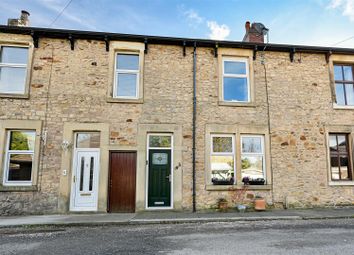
(71, 86)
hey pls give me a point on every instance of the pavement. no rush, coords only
(168, 217)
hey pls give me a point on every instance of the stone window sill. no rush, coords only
(212, 187)
(343, 107)
(237, 104)
(17, 188)
(14, 96)
(125, 101)
(341, 183)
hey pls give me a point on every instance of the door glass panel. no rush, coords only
(82, 169)
(20, 167)
(88, 140)
(159, 141)
(159, 158)
(91, 173)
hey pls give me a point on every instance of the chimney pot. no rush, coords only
(23, 21)
(247, 26)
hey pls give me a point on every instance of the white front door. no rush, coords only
(85, 180)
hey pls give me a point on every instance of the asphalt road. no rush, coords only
(261, 237)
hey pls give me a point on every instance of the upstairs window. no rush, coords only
(235, 86)
(343, 76)
(126, 84)
(341, 168)
(13, 69)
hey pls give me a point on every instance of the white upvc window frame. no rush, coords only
(233, 153)
(9, 152)
(126, 71)
(252, 154)
(14, 65)
(247, 76)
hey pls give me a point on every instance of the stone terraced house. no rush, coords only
(105, 122)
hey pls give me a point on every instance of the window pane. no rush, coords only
(349, 91)
(335, 168)
(222, 169)
(333, 143)
(342, 144)
(234, 67)
(252, 144)
(159, 141)
(22, 140)
(222, 144)
(348, 73)
(235, 89)
(340, 94)
(252, 167)
(20, 167)
(128, 62)
(14, 55)
(88, 140)
(344, 163)
(338, 74)
(126, 85)
(12, 80)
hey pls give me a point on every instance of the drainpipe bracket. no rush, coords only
(35, 38)
(106, 40)
(145, 45)
(291, 55)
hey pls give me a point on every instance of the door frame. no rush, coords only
(109, 176)
(73, 192)
(147, 171)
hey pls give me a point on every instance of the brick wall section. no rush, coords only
(300, 104)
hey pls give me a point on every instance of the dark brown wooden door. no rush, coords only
(122, 182)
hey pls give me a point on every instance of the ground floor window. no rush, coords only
(19, 153)
(222, 159)
(252, 158)
(341, 166)
(241, 156)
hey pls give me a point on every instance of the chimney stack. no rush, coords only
(255, 33)
(23, 21)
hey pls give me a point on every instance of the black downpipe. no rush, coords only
(194, 118)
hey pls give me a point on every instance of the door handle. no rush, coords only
(74, 179)
(168, 177)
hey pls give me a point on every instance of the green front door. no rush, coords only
(159, 187)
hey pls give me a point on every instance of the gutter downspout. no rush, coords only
(194, 120)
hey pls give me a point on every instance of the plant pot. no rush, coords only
(223, 206)
(260, 204)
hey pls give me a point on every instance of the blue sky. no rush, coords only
(311, 22)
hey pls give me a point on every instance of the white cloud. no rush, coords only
(346, 6)
(193, 16)
(218, 32)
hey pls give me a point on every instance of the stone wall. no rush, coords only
(76, 84)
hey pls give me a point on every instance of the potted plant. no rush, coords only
(222, 204)
(259, 203)
(238, 196)
(246, 180)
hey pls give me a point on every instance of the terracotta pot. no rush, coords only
(259, 204)
(223, 205)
